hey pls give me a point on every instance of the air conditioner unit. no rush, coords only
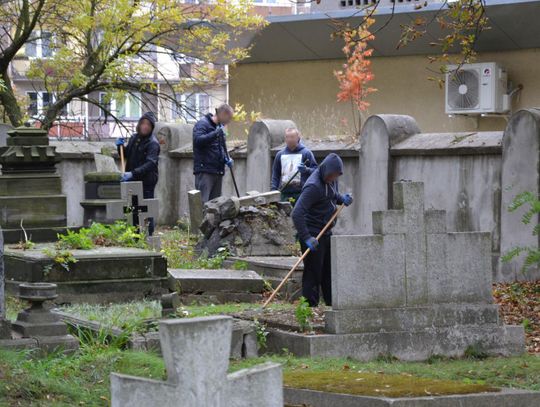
(476, 89)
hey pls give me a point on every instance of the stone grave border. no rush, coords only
(244, 339)
(504, 398)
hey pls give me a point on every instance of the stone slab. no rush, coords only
(195, 209)
(102, 263)
(409, 318)
(200, 281)
(364, 271)
(38, 184)
(35, 211)
(504, 398)
(419, 345)
(264, 198)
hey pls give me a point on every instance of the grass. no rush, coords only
(82, 379)
(178, 247)
(519, 372)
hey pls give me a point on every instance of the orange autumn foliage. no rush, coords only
(356, 74)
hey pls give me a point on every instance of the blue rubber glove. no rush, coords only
(347, 199)
(312, 244)
(302, 168)
(127, 176)
(229, 162)
(120, 142)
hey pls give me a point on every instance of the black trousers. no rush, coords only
(317, 273)
(148, 193)
(209, 185)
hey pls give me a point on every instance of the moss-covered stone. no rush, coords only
(375, 384)
(102, 177)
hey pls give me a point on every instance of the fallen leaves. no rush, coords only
(520, 305)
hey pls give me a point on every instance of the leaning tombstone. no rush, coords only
(196, 353)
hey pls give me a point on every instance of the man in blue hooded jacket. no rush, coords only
(210, 154)
(292, 166)
(316, 205)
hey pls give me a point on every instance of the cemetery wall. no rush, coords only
(472, 175)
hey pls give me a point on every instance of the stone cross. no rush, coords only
(410, 260)
(133, 206)
(196, 353)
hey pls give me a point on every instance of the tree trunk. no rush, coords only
(8, 101)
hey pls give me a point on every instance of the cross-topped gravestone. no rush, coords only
(196, 353)
(412, 289)
(133, 207)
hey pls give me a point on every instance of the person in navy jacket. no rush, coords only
(295, 158)
(210, 154)
(316, 205)
(142, 155)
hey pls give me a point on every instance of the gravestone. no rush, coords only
(411, 290)
(132, 206)
(100, 187)
(4, 324)
(30, 188)
(196, 353)
(195, 210)
(413, 281)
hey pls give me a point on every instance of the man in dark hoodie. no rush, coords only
(210, 154)
(316, 205)
(295, 158)
(142, 154)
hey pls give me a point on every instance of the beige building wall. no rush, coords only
(306, 92)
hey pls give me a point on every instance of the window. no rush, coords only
(192, 107)
(128, 107)
(39, 101)
(41, 47)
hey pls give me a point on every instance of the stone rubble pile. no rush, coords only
(254, 225)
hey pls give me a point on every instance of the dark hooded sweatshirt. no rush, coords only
(142, 154)
(292, 158)
(318, 200)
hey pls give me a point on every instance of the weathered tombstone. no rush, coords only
(100, 187)
(195, 210)
(412, 289)
(4, 324)
(133, 206)
(196, 353)
(30, 188)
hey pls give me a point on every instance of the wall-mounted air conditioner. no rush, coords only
(477, 89)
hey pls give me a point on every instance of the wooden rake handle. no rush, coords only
(308, 250)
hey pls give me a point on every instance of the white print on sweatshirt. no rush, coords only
(289, 165)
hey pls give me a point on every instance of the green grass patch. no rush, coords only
(82, 379)
(379, 384)
(518, 372)
(76, 380)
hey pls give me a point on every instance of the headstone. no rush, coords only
(195, 210)
(4, 325)
(30, 188)
(133, 207)
(402, 289)
(100, 187)
(196, 353)
(105, 163)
